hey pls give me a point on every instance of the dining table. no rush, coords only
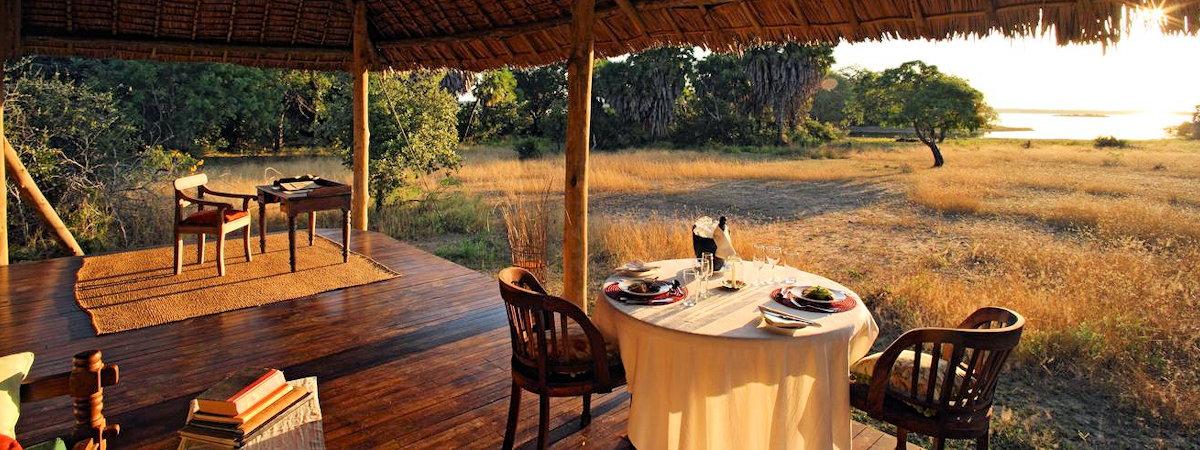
(715, 376)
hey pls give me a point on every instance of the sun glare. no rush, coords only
(1146, 70)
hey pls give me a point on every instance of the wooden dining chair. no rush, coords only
(219, 220)
(904, 386)
(557, 352)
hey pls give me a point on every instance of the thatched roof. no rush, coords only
(481, 34)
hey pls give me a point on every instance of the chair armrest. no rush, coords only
(46, 387)
(206, 190)
(595, 339)
(882, 372)
(220, 205)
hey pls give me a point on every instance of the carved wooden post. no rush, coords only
(32, 194)
(3, 177)
(89, 375)
(579, 115)
(362, 132)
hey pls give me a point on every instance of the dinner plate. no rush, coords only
(797, 293)
(660, 288)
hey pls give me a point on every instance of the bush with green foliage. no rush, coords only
(496, 111)
(531, 148)
(86, 155)
(412, 131)
(1190, 129)
(1109, 142)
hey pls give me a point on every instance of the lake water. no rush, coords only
(1124, 125)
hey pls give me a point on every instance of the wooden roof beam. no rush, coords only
(183, 46)
(374, 60)
(635, 17)
(541, 25)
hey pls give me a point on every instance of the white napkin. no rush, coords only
(724, 244)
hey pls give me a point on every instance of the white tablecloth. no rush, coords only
(713, 377)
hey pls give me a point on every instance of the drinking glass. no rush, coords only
(733, 263)
(686, 279)
(773, 261)
(790, 258)
(760, 260)
(706, 273)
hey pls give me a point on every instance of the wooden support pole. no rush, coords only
(362, 131)
(32, 194)
(634, 17)
(579, 116)
(3, 177)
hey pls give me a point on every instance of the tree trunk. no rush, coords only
(278, 144)
(929, 137)
(938, 161)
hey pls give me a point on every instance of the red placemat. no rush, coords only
(614, 292)
(842, 306)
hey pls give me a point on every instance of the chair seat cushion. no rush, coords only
(56, 444)
(579, 350)
(13, 370)
(900, 381)
(575, 349)
(211, 217)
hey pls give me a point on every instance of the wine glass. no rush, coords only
(706, 273)
(686, 279)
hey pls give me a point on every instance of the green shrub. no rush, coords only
(530, 148)
(1109, 142)
(478, 252)
(436, 214)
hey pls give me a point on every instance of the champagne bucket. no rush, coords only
(703, 245)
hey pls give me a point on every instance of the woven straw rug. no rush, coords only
(130, 290)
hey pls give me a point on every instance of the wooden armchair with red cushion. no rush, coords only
(220, 220)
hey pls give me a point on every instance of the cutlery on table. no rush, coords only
(810, 307)
(786, 316)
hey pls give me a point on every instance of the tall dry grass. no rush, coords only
(528, 220)
(488, 170)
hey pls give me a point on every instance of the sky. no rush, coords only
(1145, 71)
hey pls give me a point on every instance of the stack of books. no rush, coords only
(241, 406)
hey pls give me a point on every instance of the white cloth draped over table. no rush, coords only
(713, 377)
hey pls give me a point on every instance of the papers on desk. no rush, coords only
(298, 185)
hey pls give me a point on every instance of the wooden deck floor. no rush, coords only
(420, 361)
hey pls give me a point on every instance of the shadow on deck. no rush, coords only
(419, 361)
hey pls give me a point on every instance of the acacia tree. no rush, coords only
(933, 103)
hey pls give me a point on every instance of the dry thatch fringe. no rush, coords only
(527, 220)
(486, 34)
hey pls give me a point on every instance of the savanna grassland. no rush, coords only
(1099, 249)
